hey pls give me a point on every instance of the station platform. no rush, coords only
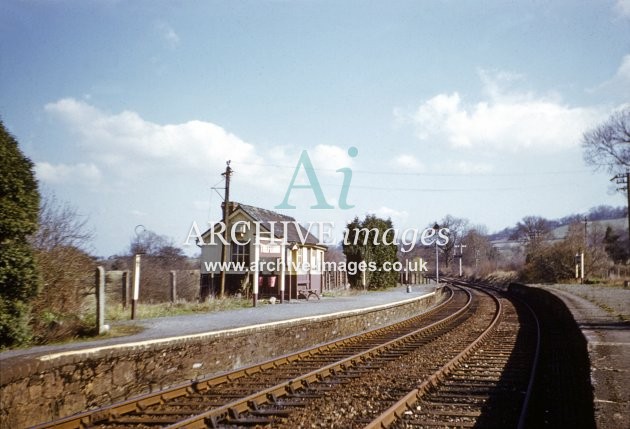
(45, 383)
(165, 328)
(603, 316)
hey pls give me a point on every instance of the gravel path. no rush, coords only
(602, 313)
(165, 327)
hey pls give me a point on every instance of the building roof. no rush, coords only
(265, 216)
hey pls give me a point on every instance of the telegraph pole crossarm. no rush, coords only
(623, 179)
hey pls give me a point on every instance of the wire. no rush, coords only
(399, 173)
(489, 189)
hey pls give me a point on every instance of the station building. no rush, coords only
(273, 249)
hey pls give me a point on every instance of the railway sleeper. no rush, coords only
(452, 412)
(440, 424)
(178, 412)
(478, 390)
(149, 421)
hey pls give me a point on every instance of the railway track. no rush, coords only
(219, 395)
(487, 385)
(300, 390)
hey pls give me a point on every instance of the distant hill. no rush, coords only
(616, 217)
(620, 224)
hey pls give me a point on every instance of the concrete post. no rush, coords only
(256, 270)
(100, 300)
(363, 283)
(282, 273)
(173, 286)
(125, 288)
(136, 287)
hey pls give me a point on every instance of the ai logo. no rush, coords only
(313, 183)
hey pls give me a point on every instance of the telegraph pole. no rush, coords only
(584, 250)
(624, 180)
(226, 214)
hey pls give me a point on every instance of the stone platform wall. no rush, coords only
(54, 386)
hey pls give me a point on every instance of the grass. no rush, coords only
(116, 313)
(595, 292)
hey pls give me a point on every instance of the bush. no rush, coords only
(19, 202)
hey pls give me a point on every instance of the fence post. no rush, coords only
(173, 286)
(100, 300)
(125, 288)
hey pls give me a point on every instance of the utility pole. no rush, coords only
(226, 214)
(584, 250)
(624, 180)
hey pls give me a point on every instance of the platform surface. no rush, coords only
(177, 326)
(603, 315)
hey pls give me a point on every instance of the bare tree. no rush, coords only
(458, 228)
(159, 256)
(479, 254)
(61, 250)
(60, 224)
(532, 230)
(607, 146)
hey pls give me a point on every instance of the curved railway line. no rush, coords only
(468, 361)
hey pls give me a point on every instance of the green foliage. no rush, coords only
(550, 264)
(372, 242)
(19, 207)
(554, 261)
(616, 249)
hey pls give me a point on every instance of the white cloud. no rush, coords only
(80, 173)
(137, 213)
(623, 8)
(623, 72)
(125, 146)
(168, 35)
(330, 158)
(619, 84)
(127, 143)
(464, 167)
(398, 217)
(408, 162)
(508, 120)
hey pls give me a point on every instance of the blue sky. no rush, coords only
(476, 109)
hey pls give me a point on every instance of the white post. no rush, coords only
(100, 300)
(461, 256)
(363, 278)
(582, 267)
(437, 265)
(136, 287)
(282, 272)
(577, 271)
(256, 270)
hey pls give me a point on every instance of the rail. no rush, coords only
(116, 411)
(410, 401)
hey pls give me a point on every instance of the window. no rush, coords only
(240, 253)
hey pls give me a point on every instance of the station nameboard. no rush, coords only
(270, 250)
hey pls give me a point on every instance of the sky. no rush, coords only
(130, 109)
